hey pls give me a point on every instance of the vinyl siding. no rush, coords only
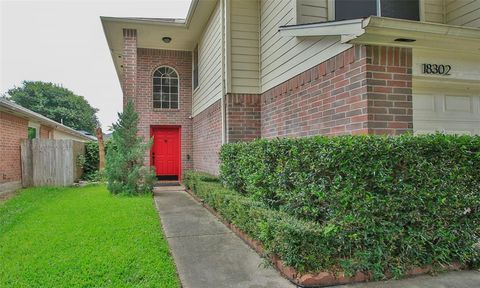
(244, 25)
(59, 135)
(310, 11)
(434, 11)
(209, 88)
(281, 58)
(463, 12)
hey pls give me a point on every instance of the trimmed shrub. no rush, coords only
(382, 204)
(298, 243)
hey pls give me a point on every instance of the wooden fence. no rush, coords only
(47, 162)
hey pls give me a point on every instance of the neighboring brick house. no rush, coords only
(15, 123)
(239, 70)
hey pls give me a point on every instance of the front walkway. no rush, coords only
(454, 279)
(206, 252)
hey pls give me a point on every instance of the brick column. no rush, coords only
(389, 82)
(129, 65)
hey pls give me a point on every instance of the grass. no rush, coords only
(82, 237)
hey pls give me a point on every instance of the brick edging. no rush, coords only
(319, 279)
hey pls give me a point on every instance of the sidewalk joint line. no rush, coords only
(199, 235)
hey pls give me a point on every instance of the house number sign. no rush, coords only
(437, 69)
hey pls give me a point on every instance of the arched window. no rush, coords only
(165, 88)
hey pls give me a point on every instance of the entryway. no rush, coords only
(165, 154)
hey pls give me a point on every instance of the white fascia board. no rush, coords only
(411, 26)
(427, 28)
(350, 28)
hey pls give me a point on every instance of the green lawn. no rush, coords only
(82, 237)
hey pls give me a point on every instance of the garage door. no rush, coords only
(450, 113)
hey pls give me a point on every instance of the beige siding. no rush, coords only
(434, 11)
(310, 11)
(59, 135)
(244, 23)
(210, 46)
(281, 58)
(463, 12)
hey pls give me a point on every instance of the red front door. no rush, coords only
(166, 152)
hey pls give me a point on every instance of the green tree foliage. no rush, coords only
(56, 103)
(126, 173)
(91, 161)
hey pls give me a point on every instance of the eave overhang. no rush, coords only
(387, 31)
(150, 31)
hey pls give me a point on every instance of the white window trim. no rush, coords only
(178, 92)
(331, 10)
(37, 128)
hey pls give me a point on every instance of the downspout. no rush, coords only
(225, 6)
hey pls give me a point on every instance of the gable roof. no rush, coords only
(150, 31)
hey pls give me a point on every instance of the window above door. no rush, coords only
(165, 88)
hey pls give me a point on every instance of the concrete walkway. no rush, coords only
(206, 252)
(454, 279)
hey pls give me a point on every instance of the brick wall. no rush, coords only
(129, 64)
(148, 60)
(329, 99)
(13, 130)
(207, 138)
(363, 90)
(243, 117)
(45, 132)
(389, 80)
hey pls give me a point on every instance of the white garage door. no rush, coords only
(450, 113)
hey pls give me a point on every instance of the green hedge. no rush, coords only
(299, 243)
(91, 161)
(383, 203)
(90, 166)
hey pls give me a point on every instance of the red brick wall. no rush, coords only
(389, 80)
(243, 117)
(362, 90)
(13, 130)
(329, 99)
(129, 64)
(45, 132)
(207, 138)
(148, 60)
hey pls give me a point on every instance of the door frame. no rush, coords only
(179, 157)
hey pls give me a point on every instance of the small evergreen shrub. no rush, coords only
(91, 162)
(366, 203)
(125, 171)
